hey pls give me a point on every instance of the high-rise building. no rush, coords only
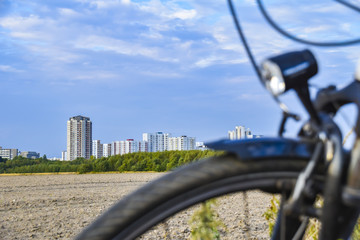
(143, 146)
(131, 146)
(128, 146)
(240, 132)
(97, 149)
(157, 142)
(63, 156)
(79, 137)
(116, 147)
(107, 149)
(182, 143)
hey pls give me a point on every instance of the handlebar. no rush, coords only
(330, 100)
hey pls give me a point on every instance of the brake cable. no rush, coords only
(283, 107)
(304, 41)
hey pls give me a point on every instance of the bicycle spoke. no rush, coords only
(238, 217)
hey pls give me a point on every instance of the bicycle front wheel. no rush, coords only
(187, 186)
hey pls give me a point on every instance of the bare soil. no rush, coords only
(59, 206)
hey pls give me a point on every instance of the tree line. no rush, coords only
(139, 161)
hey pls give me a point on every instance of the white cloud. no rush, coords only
(68, 12)
(100, 43)
(32, 27)
(183, 14)
(18, 22)
(6, 68)
(126, 2)
(223, 59)
(205, 62)
(167, 10)
(100, 4)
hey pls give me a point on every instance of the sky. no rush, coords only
(136, 66)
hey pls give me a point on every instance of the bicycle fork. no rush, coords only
(337, 220)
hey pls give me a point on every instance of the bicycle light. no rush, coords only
(288, 71)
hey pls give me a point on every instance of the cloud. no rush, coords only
(100, 4)
(167, 11)
(10, 69)
(68, 12)
(184, 14)
(19, 22)
(52, 55)
(101, 43)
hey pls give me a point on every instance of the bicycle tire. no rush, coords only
(188, 186)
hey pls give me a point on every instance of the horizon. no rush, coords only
(136, 66)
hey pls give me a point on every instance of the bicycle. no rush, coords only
(300, 170)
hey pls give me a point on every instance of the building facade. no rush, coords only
(107, 149)
(183, 143)
(29, 154)
(79, 137)
(143, 146)
(240, 132)
(63, 156)
(157, 142)
(128, 146)
(8, 153)
(97, 149)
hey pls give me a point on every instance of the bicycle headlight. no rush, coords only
(288, 71)
(274, 81)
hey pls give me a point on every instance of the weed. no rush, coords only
(271, 213)
(205, 223)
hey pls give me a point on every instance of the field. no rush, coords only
(59, 206)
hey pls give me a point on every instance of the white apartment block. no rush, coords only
(107, 149)
(79, 137)
(115, 148)
(97, 149)
(143, 146)
(157, 142)
(174, 143)
(63, 156)
(131, 146)
(9, 153)
(182, 143)
(240, 132)
(152, 142)
(128, 146)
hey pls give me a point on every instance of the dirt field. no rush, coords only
(59, 206)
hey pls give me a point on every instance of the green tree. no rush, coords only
(85, 168)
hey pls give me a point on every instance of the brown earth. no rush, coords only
(59, 206)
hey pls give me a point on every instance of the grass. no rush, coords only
(271, 213)
(205, 223)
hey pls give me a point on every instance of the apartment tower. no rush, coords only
(79, 137)
(97, 149)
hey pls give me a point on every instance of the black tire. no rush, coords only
(187, 186)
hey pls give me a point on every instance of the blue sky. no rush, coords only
(147, 66)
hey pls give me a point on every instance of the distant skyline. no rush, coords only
(137, 66)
